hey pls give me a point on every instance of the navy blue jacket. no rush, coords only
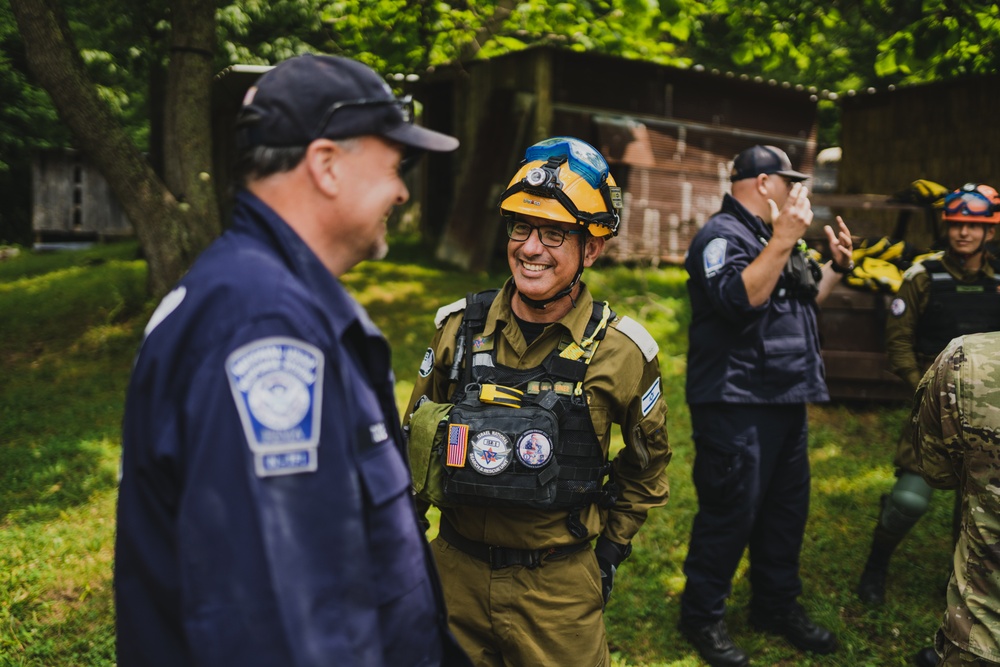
(738, 353)
(265, 514)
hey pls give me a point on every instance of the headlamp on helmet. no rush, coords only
(973, 203)
(566, 180)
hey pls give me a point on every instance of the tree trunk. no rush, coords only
(187, 130)
(170, 231)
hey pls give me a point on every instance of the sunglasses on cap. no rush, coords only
(404, 104)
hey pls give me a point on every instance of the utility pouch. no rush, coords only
(428, 429)
(500, 455)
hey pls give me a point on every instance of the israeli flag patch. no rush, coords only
(650, 397)
(714, 256)
(277, 384)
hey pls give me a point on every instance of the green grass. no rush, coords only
(69, 325)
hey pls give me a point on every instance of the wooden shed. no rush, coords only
(71, 200)
(945, 131)
(668, 133)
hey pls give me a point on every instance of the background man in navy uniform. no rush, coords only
(265, 514)
(753, 365)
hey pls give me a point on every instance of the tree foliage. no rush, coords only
(129, 53)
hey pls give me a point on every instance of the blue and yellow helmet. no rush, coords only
(566, 180)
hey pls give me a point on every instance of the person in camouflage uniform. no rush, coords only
(949, 293)
(957, 443)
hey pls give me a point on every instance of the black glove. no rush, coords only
(609, 557)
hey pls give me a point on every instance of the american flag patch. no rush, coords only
(458, 441)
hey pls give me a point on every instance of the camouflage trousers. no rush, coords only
(953, 656)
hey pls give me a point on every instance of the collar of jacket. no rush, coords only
(575, 321)
(255, 218)
(757, 227)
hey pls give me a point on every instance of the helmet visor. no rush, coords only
(967, 203)
(583, 158)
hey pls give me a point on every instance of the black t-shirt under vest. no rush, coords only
(956, 308)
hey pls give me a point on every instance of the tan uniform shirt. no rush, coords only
(618, 377)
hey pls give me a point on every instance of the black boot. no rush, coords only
(714, 645)
(871, 587)
(926, 657)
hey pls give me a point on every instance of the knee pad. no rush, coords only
(907, 502)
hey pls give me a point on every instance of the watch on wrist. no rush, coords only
(839, 269)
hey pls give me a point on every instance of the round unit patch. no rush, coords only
(898, 307)
(534, 448)
(490, 452)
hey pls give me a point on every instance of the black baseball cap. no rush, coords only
(764, 160)
(310, 97)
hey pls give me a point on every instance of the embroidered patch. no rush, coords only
(714, 256)
(458, 440)
(490, 452)
(534, 448)
(277, 384)
(897, 307)
(650, 397)
(482, 343)
(378, 432)
(427, 365)
(167, 305)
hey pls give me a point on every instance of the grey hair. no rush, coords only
(262, 161)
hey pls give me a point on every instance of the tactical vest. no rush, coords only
(800, 278)
(524, 438)
(956, 308)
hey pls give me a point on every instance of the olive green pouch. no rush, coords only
(428, 427)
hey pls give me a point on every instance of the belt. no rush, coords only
(500, 557)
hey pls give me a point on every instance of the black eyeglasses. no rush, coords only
(404, 104)
(551, 237)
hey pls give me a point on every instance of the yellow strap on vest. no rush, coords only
(588, 346)
(499, 395)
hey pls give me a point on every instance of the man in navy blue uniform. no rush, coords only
(265, 514)
(753, 365)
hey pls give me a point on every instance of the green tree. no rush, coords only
(175, 216)
(134, 76)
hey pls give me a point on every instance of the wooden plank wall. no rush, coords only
(946, 132)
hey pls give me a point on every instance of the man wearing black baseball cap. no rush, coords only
(753, 364)
(265, 515)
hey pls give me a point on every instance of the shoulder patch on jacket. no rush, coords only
(918, 264)
(444, 311)
(638, 334)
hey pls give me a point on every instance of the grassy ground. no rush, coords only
(69, 324)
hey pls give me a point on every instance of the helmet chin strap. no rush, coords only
(541, 304)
